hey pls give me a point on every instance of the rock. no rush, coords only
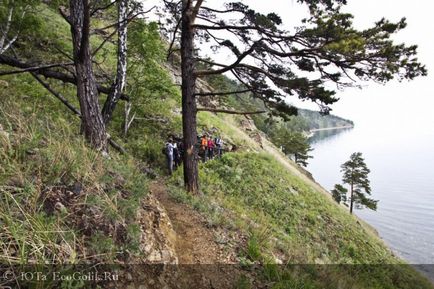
(4, 83)
(293, 191)
(33, 151)
(257, 138)
(248, 124)
(105, 155)
(15, 181)
(277, 260)
(177, 110)
(157, 237)
(60, 207)
(150, 172)
(76, 188)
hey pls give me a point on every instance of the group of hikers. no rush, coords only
(208, 148)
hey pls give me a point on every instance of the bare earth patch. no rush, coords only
(195, 242)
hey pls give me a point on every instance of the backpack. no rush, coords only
(165, 150)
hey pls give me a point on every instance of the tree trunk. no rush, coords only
(189, 109)
(121, 70)
(92, 122)
(351, 199)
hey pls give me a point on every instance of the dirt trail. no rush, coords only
(195, 242)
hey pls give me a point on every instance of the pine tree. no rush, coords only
(355, 174)
(339, 194)
(293, 144)
(92, 123)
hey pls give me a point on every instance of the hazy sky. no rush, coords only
(397, 105)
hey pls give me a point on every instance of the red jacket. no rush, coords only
(210, 144)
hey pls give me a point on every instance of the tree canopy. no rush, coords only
(293, 144)
(273, 63)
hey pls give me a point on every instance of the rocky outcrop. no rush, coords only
(201, 86)
(157, 241)
(248, 125)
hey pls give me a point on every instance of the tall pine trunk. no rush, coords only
(121, 70)
(92, 122)
(189, 108)
(351, 199)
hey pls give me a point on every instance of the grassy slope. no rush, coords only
(290, 222)
(42, 157)
(43, 163)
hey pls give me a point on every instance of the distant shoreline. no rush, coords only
(331, 128)
(311, 132)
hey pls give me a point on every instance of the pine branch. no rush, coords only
(220, 11)
(74, 110)
(230, 111)
(223, 92)
(94, 11)
(130, 18)
(64, 15)
(104, 42)
(57, 95)
(51, 73)
(172, 42)
(231, 66)
(35, 68)
(196, 10)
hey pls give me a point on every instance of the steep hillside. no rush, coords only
(289, 219)
(62, 203)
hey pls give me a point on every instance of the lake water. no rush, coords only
(402, 179)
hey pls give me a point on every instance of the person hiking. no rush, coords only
(175, 154)
(211, 146)
(169, 155)
(204, 147)
(219, 145)
(179, 157)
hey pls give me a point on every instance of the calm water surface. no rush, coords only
(402, 178)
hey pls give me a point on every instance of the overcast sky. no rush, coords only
(394, 104)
